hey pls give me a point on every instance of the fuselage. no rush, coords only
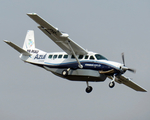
(93, 64)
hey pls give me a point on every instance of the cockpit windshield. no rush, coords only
(100, 57)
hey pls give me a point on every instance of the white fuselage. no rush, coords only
(56, 62)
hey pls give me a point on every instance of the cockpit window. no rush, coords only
(100, 57)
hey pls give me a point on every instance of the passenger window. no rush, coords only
(55, 56)
(72, 57)
(80, 56)
(91, 58)
(65, 56)
(86, 57)
(50, 56)
(60, 56)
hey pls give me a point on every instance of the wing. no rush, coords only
(129, 83)
(60, 38)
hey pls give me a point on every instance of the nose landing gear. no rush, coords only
(112, 83)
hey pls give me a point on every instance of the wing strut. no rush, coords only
(79, 64)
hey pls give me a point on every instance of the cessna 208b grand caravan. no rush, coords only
(75, 63)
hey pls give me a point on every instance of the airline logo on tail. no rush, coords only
(30, 43)
(29, 40)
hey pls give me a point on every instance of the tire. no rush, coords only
(65, 73)
(88, 89)
(111, 84)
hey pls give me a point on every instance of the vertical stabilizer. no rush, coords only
(29, 42)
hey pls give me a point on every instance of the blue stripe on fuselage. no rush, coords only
(94, 65)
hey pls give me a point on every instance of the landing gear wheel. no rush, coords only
(88, 89)
(64, 72)
(111, 84)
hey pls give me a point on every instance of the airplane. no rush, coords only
(75, 63)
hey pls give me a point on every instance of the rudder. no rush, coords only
(29, 42)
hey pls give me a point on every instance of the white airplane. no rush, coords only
(75, 63)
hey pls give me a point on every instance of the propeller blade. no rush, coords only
(124, 67)
(123, 59)
(132, 70)
(129, 69)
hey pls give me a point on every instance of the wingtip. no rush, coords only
(6, 41)
(143, 90)
(31, 14)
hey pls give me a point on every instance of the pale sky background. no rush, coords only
(108, 27)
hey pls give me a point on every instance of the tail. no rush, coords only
(29, 42)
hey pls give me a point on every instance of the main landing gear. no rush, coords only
(65, 72)
(89, 88)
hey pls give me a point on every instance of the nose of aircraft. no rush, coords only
(125, 68)
(122, 67)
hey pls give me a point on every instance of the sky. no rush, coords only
(108, 27)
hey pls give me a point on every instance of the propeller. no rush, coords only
(124, 68)
(123, 59)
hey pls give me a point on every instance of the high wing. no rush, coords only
(126, 81)
(60, 38)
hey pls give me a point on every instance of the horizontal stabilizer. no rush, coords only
(17, 48)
